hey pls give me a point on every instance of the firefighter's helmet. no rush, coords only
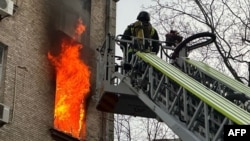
(143, 16)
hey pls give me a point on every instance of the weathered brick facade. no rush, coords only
(28, 86)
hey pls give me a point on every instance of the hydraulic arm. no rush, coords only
(193, 99)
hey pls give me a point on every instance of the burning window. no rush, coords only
(72, 86)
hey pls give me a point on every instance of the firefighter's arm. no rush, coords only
(126, 36)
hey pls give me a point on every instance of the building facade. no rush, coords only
(27, 79)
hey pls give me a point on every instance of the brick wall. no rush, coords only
(29, 81)
(28, 84)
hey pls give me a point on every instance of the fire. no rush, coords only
(80, 28)
(72, 87)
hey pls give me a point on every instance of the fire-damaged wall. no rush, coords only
(28, 80)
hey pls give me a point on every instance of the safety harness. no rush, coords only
(141, 31)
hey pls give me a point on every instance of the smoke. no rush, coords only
(65, 13)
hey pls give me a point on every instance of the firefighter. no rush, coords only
(141, 29)
(173, 38)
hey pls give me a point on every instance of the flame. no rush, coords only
(72, 87)
(80, 28)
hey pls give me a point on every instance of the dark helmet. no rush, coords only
(143, 16)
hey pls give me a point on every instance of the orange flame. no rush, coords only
(72, 87)
(80, 28)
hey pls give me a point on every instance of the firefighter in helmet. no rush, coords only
(141, 29)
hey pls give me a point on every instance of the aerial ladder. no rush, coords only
(192, 98)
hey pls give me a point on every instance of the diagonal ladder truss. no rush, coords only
(229, 88)
(202, 111)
